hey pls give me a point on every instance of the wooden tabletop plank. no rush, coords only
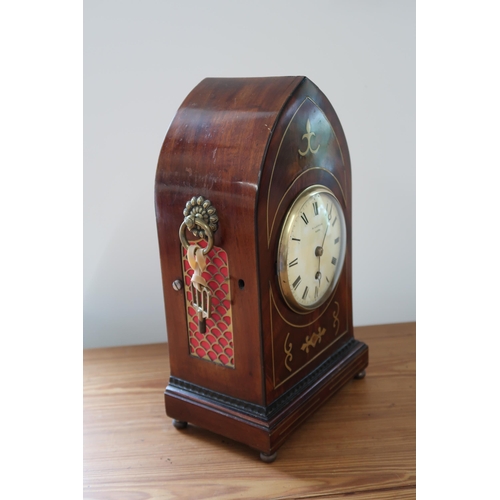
(361, 442)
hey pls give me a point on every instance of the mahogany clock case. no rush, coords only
(238, 142)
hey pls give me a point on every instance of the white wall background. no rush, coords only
(141, 58)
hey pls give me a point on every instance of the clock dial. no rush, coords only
(311, 249)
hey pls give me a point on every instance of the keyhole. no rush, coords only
(241, 284)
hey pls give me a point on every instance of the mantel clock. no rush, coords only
(253, 206)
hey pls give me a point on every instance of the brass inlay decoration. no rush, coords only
(300, 368)
(271, 220)
(308, 136)
(272, 333)
(291, 186)
(270, 226)
(336, 322)
(314, 339)
(288, 353)
(305, 324)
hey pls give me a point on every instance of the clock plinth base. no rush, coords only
(265, 428)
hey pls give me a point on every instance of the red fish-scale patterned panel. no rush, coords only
(216, 344)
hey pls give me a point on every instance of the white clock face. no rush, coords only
(311, 250)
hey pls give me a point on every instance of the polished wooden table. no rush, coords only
(359, 445)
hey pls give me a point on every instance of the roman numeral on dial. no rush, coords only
(315, 207)
(304, 295)
(296, 283)
(304, 218)
(294, 262)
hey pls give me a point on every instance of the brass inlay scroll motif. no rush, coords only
(308, 136)
(288, 352)
(314, 339)
(288, 348)
(272, 215)
(336, 321)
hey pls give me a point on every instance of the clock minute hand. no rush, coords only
(324, 237)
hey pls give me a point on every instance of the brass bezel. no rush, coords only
(282, 268)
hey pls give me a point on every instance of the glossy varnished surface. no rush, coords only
(215, 148)
(361, 442)
(242, 144)
(286, 173)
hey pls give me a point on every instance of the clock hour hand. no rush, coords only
(319, 252)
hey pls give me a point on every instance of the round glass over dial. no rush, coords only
(311, 249)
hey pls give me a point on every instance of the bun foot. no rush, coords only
(360, 375)
(179, 424)
(268, 457)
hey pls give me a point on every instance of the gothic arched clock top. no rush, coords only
(312, 138)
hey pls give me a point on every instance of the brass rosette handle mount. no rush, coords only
(200, 217)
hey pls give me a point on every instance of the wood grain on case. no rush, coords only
(242, 144)
(214, 148)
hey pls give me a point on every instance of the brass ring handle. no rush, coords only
(205, 227)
